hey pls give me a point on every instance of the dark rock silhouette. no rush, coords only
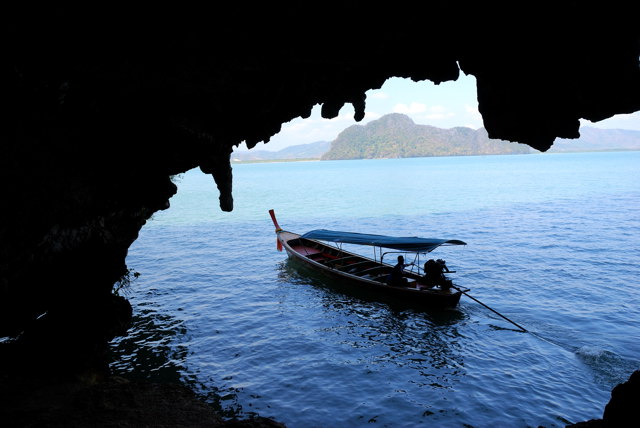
(622, 409)
(101, 106)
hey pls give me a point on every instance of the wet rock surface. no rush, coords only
(108, 402)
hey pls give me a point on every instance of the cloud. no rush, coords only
(422, 112)
(378, 95)
(370, 115)
(412, 108)
(438, 113)
(474, 114)
(439, 116)
(315, 128)
(297, 126)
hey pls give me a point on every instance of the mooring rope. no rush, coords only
(524, 330)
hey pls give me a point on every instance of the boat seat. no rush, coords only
(377, 273)
(354, 266)
(316, 256)
(382, 277)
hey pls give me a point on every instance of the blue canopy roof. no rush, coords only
(411, 244)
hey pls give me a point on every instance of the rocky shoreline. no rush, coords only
(111, 402)
(117, 402)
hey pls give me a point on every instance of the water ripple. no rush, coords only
(253, 334)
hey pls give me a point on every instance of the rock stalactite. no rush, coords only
(102, 106)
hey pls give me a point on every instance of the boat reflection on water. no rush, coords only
(380, 334)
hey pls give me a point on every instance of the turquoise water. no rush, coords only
(552, 245)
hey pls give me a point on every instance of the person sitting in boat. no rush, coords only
(434, 274)
(395, 277)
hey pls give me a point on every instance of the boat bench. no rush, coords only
(376, 269)
(376, 273)
(317, 256)
(354, 267)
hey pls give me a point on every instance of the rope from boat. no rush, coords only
(524, 330)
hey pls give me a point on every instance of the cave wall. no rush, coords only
(103, 105)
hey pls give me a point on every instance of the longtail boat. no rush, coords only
(321, 250)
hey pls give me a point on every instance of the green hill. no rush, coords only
(397, 136)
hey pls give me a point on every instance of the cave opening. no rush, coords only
(446, 105)
(211, 338)
(101, 108)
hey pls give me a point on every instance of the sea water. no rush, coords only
(552, 244)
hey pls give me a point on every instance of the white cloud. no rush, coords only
(439, 116)
(378, 95)
(297, 126)
(370, 115)
(471, 109)
(474, 115)
(412, 108)
(437, 109)
(438, 113)
(315, 128)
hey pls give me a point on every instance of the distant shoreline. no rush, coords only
(234, 161)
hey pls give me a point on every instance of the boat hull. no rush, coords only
(365, 274)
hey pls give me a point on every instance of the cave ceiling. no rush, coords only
(219, 76)
(164, 89)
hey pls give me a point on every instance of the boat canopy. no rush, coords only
(409, 244)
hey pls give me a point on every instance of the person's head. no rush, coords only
(400, 259)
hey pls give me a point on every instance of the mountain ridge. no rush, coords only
(396, 135)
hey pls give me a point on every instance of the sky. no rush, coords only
(446, 105)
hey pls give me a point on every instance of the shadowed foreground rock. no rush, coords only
(110, 403)
(623, 410)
